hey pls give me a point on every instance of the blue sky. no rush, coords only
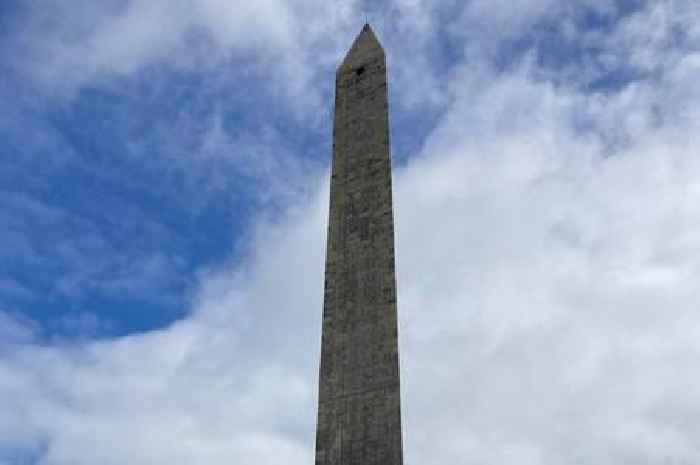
(109, 216)
(117, 202)
(164, 185)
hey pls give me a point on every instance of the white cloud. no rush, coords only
(548, 284)
(69, 45)
(548, 245)
(194, 392)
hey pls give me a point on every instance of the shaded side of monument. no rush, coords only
(359, 411)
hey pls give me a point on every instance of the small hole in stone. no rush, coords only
(360, 70)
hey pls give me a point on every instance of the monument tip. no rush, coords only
(364, 46)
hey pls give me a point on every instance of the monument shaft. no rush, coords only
(359, 413)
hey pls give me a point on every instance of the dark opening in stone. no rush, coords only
(360, 70)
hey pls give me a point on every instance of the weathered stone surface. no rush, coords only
(359, 414)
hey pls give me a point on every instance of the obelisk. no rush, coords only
(359, 410)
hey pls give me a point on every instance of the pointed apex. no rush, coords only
(365, 47)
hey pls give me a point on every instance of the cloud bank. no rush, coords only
(548, 240)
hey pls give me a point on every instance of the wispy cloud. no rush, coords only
(64, 50)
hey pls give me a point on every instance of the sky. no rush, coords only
(164, 183)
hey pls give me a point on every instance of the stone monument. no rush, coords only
(359, 410)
